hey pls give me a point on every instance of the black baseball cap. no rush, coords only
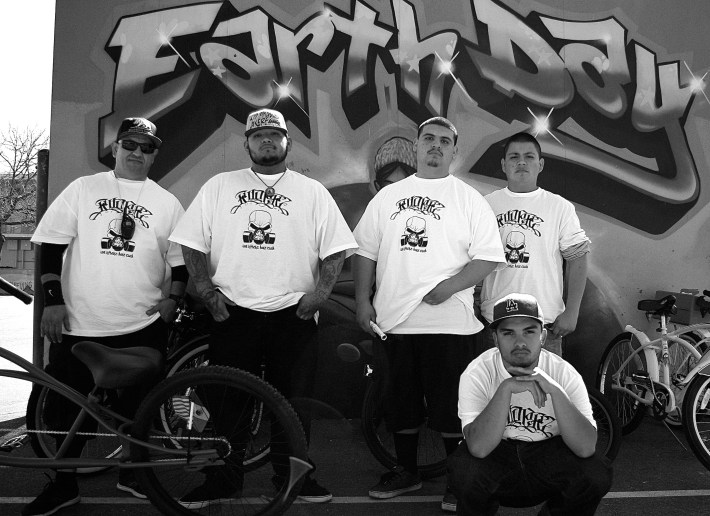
(516, 305)
(139, 126)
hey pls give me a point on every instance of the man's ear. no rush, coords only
(114, 149)
(502, 166)
(543, 336)
(246, 145)
(542, 164)
(495, 337)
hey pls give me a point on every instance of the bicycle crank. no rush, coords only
(663, 398)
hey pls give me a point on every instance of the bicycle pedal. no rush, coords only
(641, 378)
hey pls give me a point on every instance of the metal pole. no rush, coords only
(41, 207)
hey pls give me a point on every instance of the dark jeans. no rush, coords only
(524, 474)
(283, 344)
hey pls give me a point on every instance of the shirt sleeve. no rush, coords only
(334, 234)
(571, 232)
(174, 256)
(60, 223)
(368, 233)
(473, 397)
(193, 230)
(485, 244)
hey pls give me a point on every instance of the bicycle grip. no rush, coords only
(382, 335)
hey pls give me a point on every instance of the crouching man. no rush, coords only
(529, 434)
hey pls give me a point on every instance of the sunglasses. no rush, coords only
(130, 145)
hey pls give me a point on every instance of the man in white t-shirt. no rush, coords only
(425, 241)
(541, 233)
(264, 246)
(529, 433)
(105, 254)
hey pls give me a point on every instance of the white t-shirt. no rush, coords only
(109, 281)
(263, 253)
(534, 228)
(526, 421)
(421, 232)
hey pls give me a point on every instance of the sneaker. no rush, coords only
(311, 491)
(448, 503)
(395, 483)
(53, 498)
(208, 494)
(127, 482)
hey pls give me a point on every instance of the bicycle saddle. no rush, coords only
(119, 368)
(664, 305)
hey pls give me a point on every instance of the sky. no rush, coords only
(26, 42)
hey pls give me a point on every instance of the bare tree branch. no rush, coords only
(18, 174)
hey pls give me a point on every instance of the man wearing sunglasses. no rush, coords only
(105, 252)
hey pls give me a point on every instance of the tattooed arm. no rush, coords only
(329, 272)
(215, 301)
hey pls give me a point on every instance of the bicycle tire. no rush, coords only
(629, 410)
(191, 355)
(431, 458)
(44, 444)
(696, 418)
(211, 388)
(681, 363)
(194, 354)
(608, 425)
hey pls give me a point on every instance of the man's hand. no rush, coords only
(440, 293)
(309, 305)
(365, 313)
(53, 318)
(565, 324)
(166, 307)
(216, 303)
(537, 383)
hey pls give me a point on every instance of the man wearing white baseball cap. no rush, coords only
(527, 423)
(276, 242)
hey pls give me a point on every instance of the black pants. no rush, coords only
(280, 342)
(522, 474)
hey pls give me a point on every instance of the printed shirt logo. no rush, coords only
(423, 205)
(118, 240)
(521, 219)
(524, 419)
(275, 202)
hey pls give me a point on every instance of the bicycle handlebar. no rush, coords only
(14, 291)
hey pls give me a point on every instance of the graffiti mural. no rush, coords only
(615, 90)
(616, 113)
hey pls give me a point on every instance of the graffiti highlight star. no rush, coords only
(285, 91)
(447, 67)
(165, 40)
(543, 126)
(697, 84)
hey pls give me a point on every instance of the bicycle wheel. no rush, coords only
(608, 424)
(431, 453)
(194, 354)
(681, 362)
(43, 441)
(629, 410)
(210, 408)
(696, 417)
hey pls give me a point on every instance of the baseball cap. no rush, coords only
(516, 305)
(265, 118)
(139, 126)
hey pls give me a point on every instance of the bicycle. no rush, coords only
(180, 428)
(671, 371)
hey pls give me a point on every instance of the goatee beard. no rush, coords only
(268, 161)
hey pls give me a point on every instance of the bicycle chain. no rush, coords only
(98, 434)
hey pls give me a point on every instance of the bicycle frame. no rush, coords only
(35, 375)
(657, 369)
